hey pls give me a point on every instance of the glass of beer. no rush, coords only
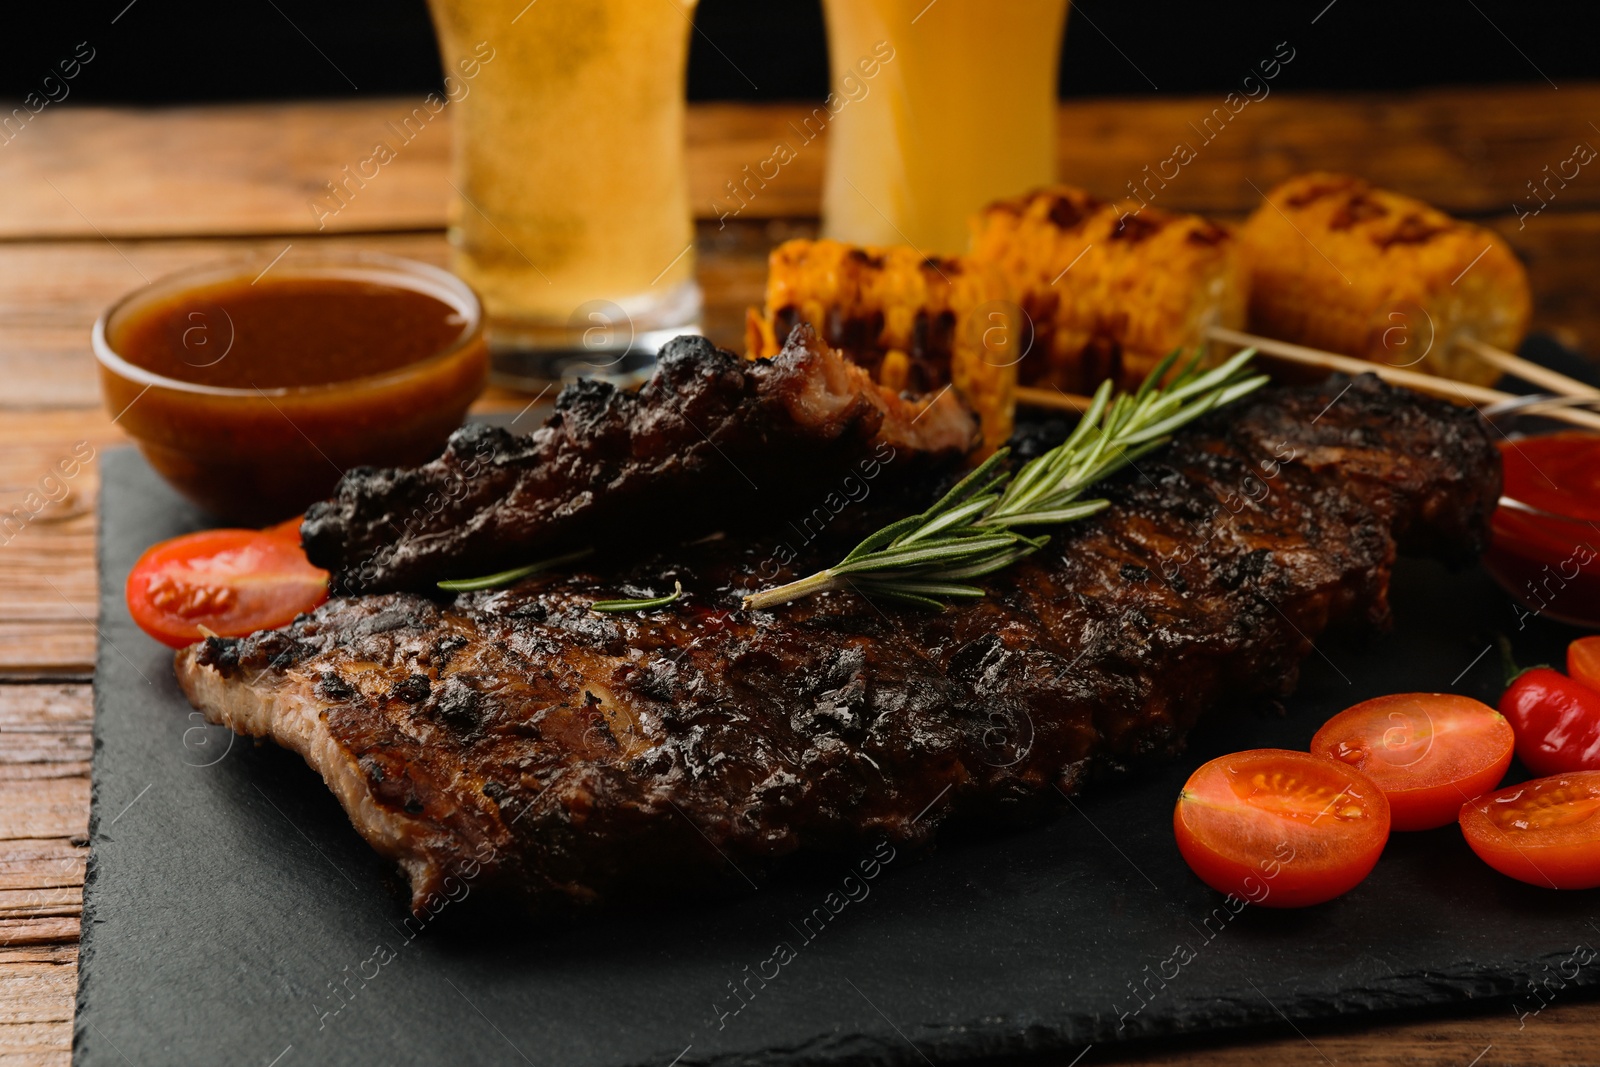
(963, 113)
(571, 210)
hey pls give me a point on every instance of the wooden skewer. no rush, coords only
(1056, 400)
(1052, 399)
(1545, 378)
(1527, 370)
(1431, 384)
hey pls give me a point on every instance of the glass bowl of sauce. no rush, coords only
(251, 387)
(1545, 544)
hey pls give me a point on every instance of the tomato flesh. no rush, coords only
(288, 529)
(1583, 661)
(228, 582)
(1430, 753)
(1545, 832)
(1281, 829)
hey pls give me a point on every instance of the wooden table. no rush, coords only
(98, 201)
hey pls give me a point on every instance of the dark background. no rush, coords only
(160, 51)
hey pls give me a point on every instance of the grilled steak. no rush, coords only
(692, 449)
(566, 755)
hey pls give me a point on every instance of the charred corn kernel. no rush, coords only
(1340, 265)
(917, 324)
(1110, 290)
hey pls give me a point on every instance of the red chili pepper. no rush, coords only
(1556, 721)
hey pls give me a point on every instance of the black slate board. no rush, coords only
(228, 896)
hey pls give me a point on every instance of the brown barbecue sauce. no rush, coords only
(293, 331)
(253, 394)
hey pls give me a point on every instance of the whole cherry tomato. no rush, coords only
(1556, 720)
(1583, 661)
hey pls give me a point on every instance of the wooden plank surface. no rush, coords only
(263, 169)
(45, 746)
(51, 292)
(242, 189)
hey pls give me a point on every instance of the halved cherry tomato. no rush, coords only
(1583, 661)
(288, 529)
(1557, 721)
(1545, 832)
(232, 582)
(1430, 753)
(1281, 829)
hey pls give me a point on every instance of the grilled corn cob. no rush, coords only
(1337, 264)
(916, 323)
(1109, 290)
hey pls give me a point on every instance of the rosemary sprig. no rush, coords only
(515, 574)
(651, 604)
(976, 528)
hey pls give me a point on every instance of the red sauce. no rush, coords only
(277, 332)
(1559, 473)
(1549, 558)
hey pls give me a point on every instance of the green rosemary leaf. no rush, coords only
(955, 517)
(973, 530)
(515, 574)
(1186, 375)
(924, 587)
(1175, 421)
(1159, 371)
(884, 537)
(639, 605)
(1234, 392)
(907, 598)
(1088, 424)
(964, 488)
(1071, 513)
(948, 548)
(1212, 378)
(999, 561)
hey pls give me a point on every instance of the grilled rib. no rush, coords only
(690, 450)
(569, 756)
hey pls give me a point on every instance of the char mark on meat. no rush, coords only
(572, 757)
(711, 438)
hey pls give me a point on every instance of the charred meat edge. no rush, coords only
(688, 452)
